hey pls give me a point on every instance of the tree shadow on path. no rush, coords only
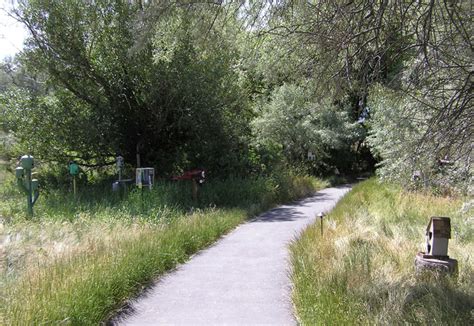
(289, 213)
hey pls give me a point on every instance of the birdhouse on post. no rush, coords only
(438, 233)
(145, 178)
(197, 177)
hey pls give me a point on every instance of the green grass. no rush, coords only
(87, 288)
(362, 270)
(78, 261)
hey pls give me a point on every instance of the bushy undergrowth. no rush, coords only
(362, 270)
(77, 261)
(167, 196)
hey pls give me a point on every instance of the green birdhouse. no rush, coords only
(26, 184)
(26, 162)
(73, 168)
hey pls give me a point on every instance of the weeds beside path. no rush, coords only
(362, 270)
(79, 263)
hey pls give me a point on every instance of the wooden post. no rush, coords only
(195, 190)
(74, 187)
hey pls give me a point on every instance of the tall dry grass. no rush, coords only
(362, 270)
(86, 288)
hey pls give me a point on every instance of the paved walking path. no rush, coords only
(241, 280)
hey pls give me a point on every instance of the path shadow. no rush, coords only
(288, 213)
(313, 199)
(344, 186)
(280, 214)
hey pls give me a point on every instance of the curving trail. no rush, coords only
(240, 280)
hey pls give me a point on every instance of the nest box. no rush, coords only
(73, 168)
(438, 233)
(27, 162)
(145, 177)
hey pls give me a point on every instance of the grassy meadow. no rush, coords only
(77, 261)
(362, 270)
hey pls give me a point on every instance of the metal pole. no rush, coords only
(195, 190)
(321, 215)
(29, 193)
(141, 196)
(321, 227)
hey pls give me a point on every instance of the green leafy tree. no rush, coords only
(294, 123)
(171, 99)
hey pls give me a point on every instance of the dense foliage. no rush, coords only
(305, 129)
(240, 86)
(105, 95)
(406, 62)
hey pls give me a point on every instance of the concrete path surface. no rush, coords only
(243, 279)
